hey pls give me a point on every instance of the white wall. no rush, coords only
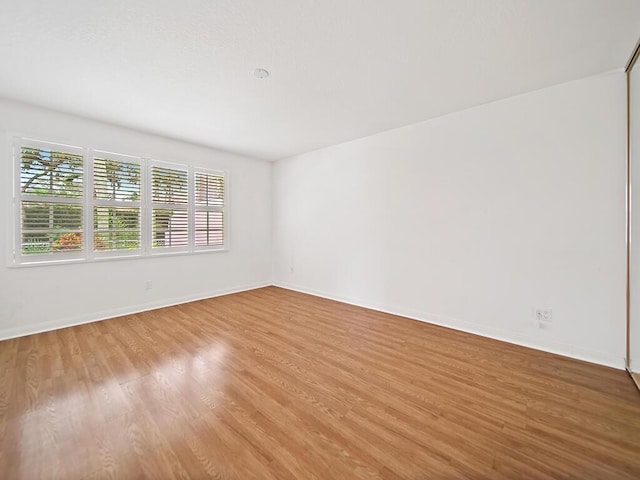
(473, 219)
(46, 297)
(634, 257)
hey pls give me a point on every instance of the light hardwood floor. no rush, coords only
(273, 384)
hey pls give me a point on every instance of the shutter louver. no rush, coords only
(51, 173)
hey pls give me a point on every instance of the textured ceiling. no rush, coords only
(340, 69)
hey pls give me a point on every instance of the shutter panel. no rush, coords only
(209, 229)
(170, 228)
(209, 189)
(116, 180)
(46, 172)
(116, 228)
(169, 185)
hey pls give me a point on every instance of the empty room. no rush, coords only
(298, 239)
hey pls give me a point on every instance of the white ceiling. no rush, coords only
(340, 69)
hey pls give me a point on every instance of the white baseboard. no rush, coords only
(22, 331)
(517, 338)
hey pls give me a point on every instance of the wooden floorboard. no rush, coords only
(274, 384)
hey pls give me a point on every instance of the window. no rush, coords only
(170, 207)
(116, 204)
(209, 209)
(75, 204)
(51, 194)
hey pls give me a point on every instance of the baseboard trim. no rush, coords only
(47, 326)
(635, 377)
(557, 348)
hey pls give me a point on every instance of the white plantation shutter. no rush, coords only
(51, 191)
(79, 204)
(209, 209)
(116, 204)
(170, 207)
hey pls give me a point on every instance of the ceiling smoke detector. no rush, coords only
(260, 73)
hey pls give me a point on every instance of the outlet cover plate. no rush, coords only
(543, 315)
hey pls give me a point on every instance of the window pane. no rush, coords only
(209, 229)
(50, 172)
(116, 180)
(169, 185)
(209, 189)
(170, 228)
(116, 228)
(50, 227)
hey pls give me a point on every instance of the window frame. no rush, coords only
(94, 202)
(19, 197)
(154, 251)
(202, 208)
(87, 253)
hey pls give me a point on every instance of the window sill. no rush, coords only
(76, 261)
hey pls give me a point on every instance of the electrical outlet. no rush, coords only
(148, 284)
(542, 317)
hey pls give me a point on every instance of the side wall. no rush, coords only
(473, 220)
(634, 253)
(46, 297)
